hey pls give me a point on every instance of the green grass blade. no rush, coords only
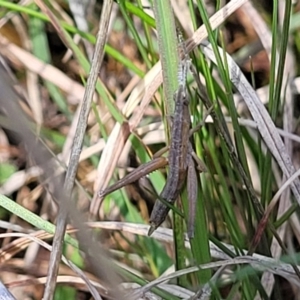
(167, 42)
(32, 218)
(135, 34)
(71, 29)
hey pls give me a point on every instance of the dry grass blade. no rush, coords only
(4, 293)
(109, 158)
(149, 89)
(199, 35)
(24, 241)
(264, 122)
(120, 133)
(261, 27)
(241, 260)
(74, 281)
(20, 244)
(205, 292)
(40, 155)
(216, 20)
(77, 143)
(242, 207)
(257, 261)
(289, 74)
(46, 71)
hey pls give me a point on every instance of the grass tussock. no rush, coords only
(87, 97)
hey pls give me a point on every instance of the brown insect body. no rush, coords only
(177, 159)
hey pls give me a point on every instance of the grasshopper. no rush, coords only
(181, 160)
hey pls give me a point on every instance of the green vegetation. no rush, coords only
(247, 219)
